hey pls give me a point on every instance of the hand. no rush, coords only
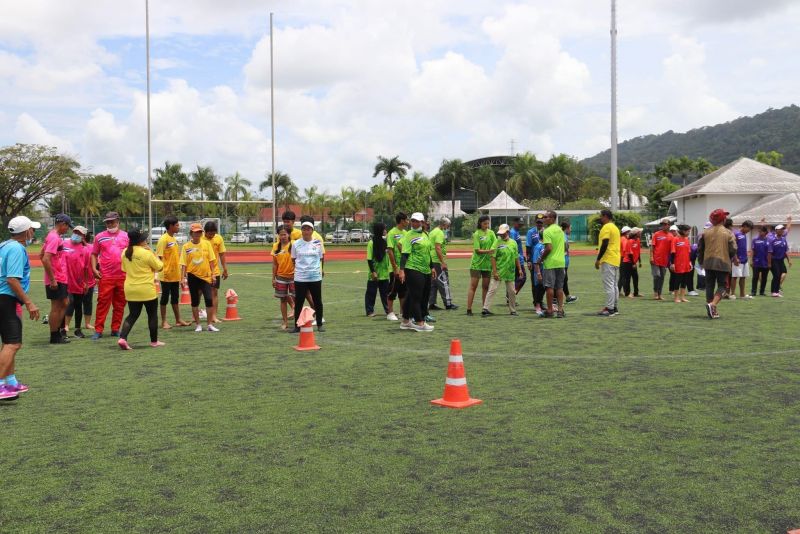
(213, 280)
(597, 264)
(401, 275)
(444, 266)
(530, 266)
(53, 284)
(374, 277)
(33, 311)
(274, 284)
(539, 277)
(672, 268)
(322, 272)
(225, 273)
(736, 261)
(652, 261)
(520, 273)
(97, 274)
(185, 281)
(640, 265)
(495, 275)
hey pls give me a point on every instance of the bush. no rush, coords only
(621, 218)
(583, 204)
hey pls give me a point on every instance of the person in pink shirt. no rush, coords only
(55, 277)
(80, 280)
(107, 268)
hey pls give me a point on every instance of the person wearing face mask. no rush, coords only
(80, 280)
(107, 268)
(15, 280)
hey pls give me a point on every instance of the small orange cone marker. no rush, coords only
(231, 312)
(307, 341)
(456, 393)
(185, 297)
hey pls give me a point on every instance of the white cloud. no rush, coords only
(29, 130)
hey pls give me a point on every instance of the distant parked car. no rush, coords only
(359, 236)
(156, 233)
(329, 237)
(341, 236)
(181, 238)
(240, 237)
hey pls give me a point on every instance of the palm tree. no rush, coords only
(487, 182)
(380, 196)
(629, 184)
(170, 184)
(247, 211)
(129, 203)
(526, 181)
(206, 183)
(87, 198)
(393, 169)
(287, 192)
(452, 174)
(237, 186)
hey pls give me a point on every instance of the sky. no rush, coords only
(426, 80)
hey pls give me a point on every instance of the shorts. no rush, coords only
(682, 280)
(396, 289)
(284, 287)
(59, 293)
(217, 281)
(475, 273)
(84, 301)
(740, 271)
(10, 322)
(170, 293)
(553, 278)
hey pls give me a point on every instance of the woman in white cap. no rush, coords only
(309, 269)
(506, 267)
(80, 280)
(415, 272)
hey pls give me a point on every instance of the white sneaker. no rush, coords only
(422, 327)
(747, 297)
(732, 297)
(406, 325)
(198, 328)
(693, 294)
(392, 317)
(212, 328)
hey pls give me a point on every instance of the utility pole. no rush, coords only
(614, 199)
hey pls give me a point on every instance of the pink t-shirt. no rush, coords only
(108, 247)
(77, 261)
(53, 244)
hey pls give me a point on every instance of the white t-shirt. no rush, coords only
(308, 260)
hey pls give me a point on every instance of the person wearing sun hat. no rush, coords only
(660, 247)
(716, 254)
(506, 267)
(107, 268)
(624, 233)
(15, 281)
(308, 255)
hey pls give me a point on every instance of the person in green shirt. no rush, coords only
(554, 263)
(480, 268)
(505, 269)
(394, 237)
(378, 263)
(441, 282)
(415, 272)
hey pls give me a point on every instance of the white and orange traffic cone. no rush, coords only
(185, 297)
(305, 323)
(456, 393)
(231, 311)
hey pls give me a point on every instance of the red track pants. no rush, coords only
(110, 292)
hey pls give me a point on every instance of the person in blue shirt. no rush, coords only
(533, 237)
(777, 255)
(537, 283)
(515, 234)
(15, 280)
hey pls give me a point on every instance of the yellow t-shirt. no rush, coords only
(169, 251)
(218, 244)
(139, 274)
(296, 234)
(612, 255)
(197, 259)
(283, 261)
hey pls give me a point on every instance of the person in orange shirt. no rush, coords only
(680, 262)
(632, 261)
(660, 248)
(283, 273)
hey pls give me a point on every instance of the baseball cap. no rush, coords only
(21, 223)
(625, 229)
(504, 228)
(718, 215)
(82, 229)
(307, 223)
(673, 227)
(540, 218)
(417, 216)
(111, 216)
(665, 220)
(445, 220)
(64, 218)
(780, 227)
(196, 227)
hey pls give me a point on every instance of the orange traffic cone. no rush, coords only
(307, 341)
(231, 312)
(185, 297)
(456, 393)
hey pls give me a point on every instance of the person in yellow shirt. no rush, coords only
(198, 263)
(608, 260)
(169, 252)
(140, 266)
(218, 244)
(283, 273)
(288, 219)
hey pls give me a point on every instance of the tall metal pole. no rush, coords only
(614, 197)
(149, 160)
(272, 132)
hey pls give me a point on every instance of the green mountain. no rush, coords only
(775, 129)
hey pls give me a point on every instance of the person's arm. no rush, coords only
(156, 264)
(274, 269)
(520, 272)
(224, 264)
(47, 263)
(16, 287)
(788, 224)
(701, 252)
(547, 249)
(440, 255)
(402, 273)
(495, 274)
(603, 248)
(392, 260)
(733, 250)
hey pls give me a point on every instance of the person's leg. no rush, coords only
(175, 300)
(538, 296)
(764, 277)
(415, 295)
(194, 296)
(436, 286)
(214, 304)
(118, 301)
(151, 307)
(300, 288)
(609, 285)
(710, 282)
(134, 310)
(392, 292)
(88, 302)
(487, 302)
(383, 291)
(70, 311)
(208, 298)
(776, 277)
(105, 288)
(658, 280)
(316, 296)
(447, 295)
(615, 274)
(474, 276)
(784, 272)
(369, 297)
(566, 282)
(426, 291)
(549, 294)
(165, 292)
(284, 312)
(511, 293)
(486, 278)
(754, 281)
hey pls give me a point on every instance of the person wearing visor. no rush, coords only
(107, 267)
(415, 272)
(80, 280)
(15, 281)
(198, 263)
(308, 255)
(55, 277)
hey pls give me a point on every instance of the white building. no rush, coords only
(747, 189)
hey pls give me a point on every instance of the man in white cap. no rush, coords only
(15, 280)
(440, 284)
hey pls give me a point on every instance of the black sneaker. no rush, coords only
(486, 313)
(295, 330)
(434, 307)
(560, 315)
(513, 314)
(451, 307)
(320, 328)
(710, 311)
(546, 315)
(58, 340)
(79, 334)
(615, 311)
(605, 312)
(469, 312)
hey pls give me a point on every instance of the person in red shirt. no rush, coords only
(631, 257)
(107, 268)
(681, 262)
(660, 248)
(80, 280)
(624, 232)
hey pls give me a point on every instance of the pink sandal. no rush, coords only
(155, 344)
(123, 344)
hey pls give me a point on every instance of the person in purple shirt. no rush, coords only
(777, 255)
(742, 271)
(760, 260)
(514, 234)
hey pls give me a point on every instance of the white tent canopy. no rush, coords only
(503, 204)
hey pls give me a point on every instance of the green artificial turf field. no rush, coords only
(657, 420)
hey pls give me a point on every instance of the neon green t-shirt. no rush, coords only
(482, 240)
(506, 258)
(418, 247)
(554, 236)
(381, 267)
(437, 236)
(393, 238)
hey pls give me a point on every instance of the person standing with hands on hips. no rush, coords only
(107, 268)
(15, 281)
(197, 263)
